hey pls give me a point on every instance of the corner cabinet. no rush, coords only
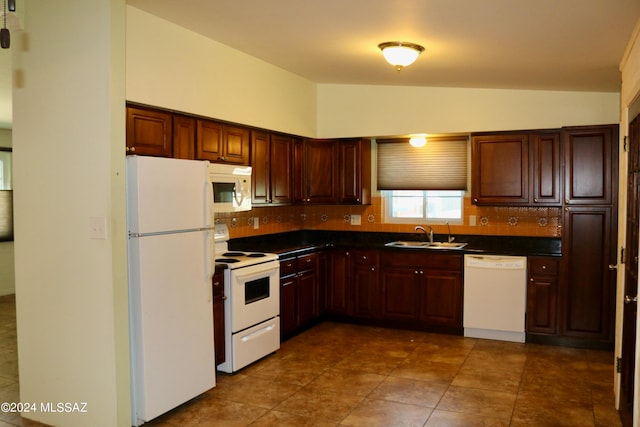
(271, 157)
(354, 172)
(315, 171)
(516, 169)
(332, 171)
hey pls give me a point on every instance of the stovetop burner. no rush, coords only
(256, 255)
(232, 254)
(227, 260)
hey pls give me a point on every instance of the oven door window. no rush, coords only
(224, 192)
(256, 290)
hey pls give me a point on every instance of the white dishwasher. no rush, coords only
(495, 294)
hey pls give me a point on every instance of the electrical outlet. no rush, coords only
(472, 220)
(356, 219)
(256, 222)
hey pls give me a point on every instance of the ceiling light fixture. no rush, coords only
(400, 54)
(418, 141)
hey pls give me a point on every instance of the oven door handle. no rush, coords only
(257, 333)
(253, 270)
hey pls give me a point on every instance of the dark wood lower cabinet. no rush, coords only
(364, 285)
(542, 295)
(218, 315)
(299, 290)
(422, 290)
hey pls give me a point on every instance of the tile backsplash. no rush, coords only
(495, 221)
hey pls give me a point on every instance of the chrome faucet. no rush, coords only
(428, 233)
(450, 238)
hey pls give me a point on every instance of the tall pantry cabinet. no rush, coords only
(590, 214)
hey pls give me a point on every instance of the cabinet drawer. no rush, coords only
(307, 262)
(288, 266)
(444, 262)
(543, 266)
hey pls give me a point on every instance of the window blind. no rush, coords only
(441, 164)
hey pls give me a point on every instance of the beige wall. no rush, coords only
(170, 67)
(68, 152)
(353, 110)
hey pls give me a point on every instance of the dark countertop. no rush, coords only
(303, 241)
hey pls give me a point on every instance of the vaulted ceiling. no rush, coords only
(541, 44)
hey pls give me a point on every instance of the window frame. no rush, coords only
(388, 218)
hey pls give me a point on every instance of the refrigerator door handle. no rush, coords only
(210, 263)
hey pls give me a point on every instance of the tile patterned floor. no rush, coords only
(345, 375)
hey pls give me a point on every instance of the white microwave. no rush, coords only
(231, 186)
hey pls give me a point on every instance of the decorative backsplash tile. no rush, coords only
(498, 221)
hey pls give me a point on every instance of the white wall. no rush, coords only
(171, 67)
(68, 146)
(7, 272)
(353, 110)
(629, 96)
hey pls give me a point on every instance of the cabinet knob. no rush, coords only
(364, 257)
(566, 209)
(475, 200)
(544, 267)
(566, 201)
(531, 280)
(373, 269)
(535, 200)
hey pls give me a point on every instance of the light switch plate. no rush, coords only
(356, 219)
(98, 227)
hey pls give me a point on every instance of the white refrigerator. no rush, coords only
(171, 263)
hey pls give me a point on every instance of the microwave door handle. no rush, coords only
(239, 191)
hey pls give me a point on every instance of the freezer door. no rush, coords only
(167, 194)
(171, 322)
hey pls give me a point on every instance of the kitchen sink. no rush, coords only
(425, 245)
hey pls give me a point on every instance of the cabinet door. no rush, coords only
(542, 295)
(339, 278)
(218, 316)
(441, 298)
(365, 291)
(500, 169)
(235, 145)
(261, 167)
(306, 301)
(591, 164)
(316, 172)
(184, 137)
(354, 172)
(288, 302)
(545, 177)
(588, 284)
(399, 292)
(280, 169)
(208, 140)
(149, 132)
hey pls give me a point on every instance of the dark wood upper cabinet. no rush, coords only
(589, 154)
(271, 157)
(519, 169)
(149, 132)
(222, 143)
(546, 169)
(315, 171)
(500, 169)
(184, 137)
(355, 172)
